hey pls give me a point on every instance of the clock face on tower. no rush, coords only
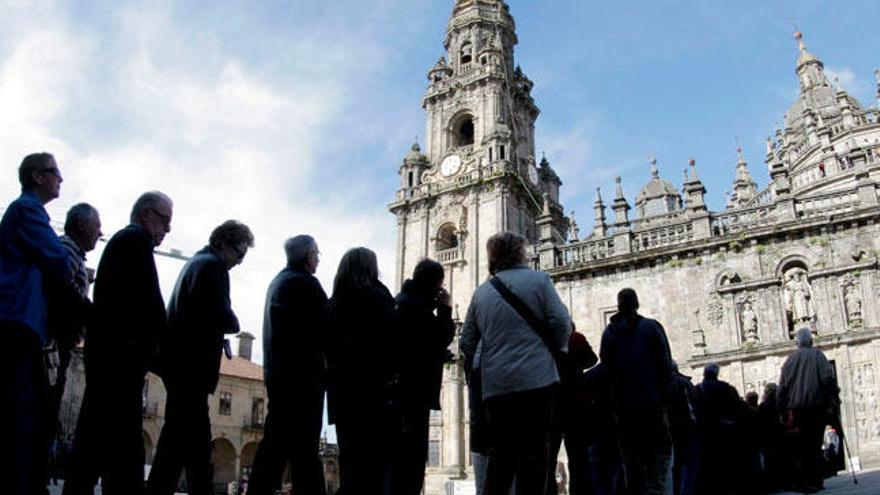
(450, 165)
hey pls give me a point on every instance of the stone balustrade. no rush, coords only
(826, 205)
(662, 237)
(587, 250)
(451, 255)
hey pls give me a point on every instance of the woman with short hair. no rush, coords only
(518, 322)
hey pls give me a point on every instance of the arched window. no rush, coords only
(447, 237)
(466, 54)
(466, 132)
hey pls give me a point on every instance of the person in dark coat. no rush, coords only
(606, 467)
(364, 397)
(719, 421)
(199, 315)
(685, 440)
(120, 348)
(33, 265)
(82, 229)
(770, 434)
(427, 329)
(807, 395)
(570, 413)
(636, 356)
(294, 341)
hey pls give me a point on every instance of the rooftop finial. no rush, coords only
(598, 194)
(655, 173)
(739, 155)
(799, 36)
(693, 164)
(617, 181)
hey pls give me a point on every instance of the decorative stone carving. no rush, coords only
(852, 300)
(798, 298)
(715, 310)
(748, 320)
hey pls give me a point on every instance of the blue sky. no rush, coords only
(293, 116)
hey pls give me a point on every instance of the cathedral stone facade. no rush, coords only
(729, 286)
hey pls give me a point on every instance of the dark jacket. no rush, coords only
(807, 382)
(425, 339)
(637, 361)
(362, 352)
(681, 404)
(719, 407)
(199, 314)
(129, 310)
(294, 328)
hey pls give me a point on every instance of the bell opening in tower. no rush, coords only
(466, 56)
(447, 237)
(466, 132)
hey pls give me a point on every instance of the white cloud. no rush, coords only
(849, 81)
(150, 105)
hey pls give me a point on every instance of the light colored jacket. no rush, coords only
(513, 357)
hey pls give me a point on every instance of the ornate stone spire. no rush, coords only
(744, 187)
(620, 206)
(877, 78)
(600, 228)
(694, 190)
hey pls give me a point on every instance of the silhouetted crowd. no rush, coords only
(631, 424)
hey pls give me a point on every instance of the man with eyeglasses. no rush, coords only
(33, 280)
(199, 315)
(294, 324)
(120, 348)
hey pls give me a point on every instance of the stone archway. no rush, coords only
(248, 452)
(223, 460)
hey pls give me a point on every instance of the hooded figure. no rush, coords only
(808, 398)
(635, 354)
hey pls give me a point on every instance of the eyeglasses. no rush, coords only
(166, 219)
(52, 170)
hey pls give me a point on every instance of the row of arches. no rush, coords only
(229, 465)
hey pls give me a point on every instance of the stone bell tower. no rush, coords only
(478, 176)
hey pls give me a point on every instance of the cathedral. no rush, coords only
(729, 286)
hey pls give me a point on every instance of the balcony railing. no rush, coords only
(253, 423)
(451, 255)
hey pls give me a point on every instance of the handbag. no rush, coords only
(535, 323)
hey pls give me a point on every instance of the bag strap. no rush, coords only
(533, 321)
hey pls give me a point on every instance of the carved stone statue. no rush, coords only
(798, 298)
(852, 300)
(749, 321)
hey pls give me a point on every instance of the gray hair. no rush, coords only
(78, 215)
(146, 201)
(711, 371)
(804, 337)
(297, 250)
